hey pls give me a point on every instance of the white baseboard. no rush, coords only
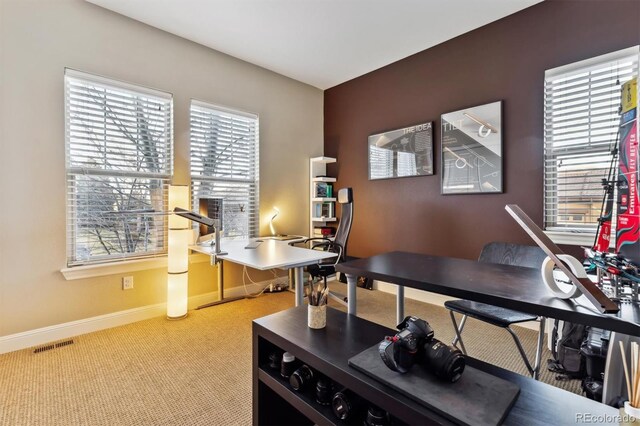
(41, 336)
(436, 299)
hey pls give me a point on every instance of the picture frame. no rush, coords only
(471, 150)
(404, 152)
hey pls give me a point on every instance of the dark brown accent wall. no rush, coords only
(504, 60)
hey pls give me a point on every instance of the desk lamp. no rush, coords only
(204, 221)
(271, 227)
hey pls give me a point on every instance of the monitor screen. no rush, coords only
(212, 208)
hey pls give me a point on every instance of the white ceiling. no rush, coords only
(319, 42)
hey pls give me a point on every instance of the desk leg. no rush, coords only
(292, 279)
(218, 263)
(220, 280)
(299, 284)
(400, 304)
(352, 281)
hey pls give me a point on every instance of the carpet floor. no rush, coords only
(196, 371)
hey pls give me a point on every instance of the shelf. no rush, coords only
(325, 160)
(318, 178)
(323, 219)
(328, 351)
(319, 414)
(323, 179)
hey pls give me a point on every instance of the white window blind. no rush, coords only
(581, 121)
(225, 164)
(386, 163)
(380, 162)
(119, 141)
(406, 164)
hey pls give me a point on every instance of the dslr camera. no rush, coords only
(414, 343)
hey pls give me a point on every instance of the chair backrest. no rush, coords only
(345, 199)
(512, 254)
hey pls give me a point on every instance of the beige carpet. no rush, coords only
(191, 372)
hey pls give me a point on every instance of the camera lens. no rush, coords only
(288, 365)
(446, 362)
(323, 391)
(376, 416)
(345, 405)
(301, 378)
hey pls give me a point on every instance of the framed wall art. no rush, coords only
(402, 153)
(471, 144)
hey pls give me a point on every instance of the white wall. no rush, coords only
(38, 39)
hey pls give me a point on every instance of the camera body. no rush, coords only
(415, 343)
(399, 352)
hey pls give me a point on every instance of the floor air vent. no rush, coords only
(53, 346)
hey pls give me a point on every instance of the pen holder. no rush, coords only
(317, 316)
(632, 411)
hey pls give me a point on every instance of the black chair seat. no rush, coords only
(502, 254)
(495, 315)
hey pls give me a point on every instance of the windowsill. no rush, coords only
(124, 266)
(571, 238)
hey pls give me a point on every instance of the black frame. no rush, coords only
(396, 134)
(487, 164)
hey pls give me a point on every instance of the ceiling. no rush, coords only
(319, 42)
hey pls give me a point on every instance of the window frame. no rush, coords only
(565, 233)
(73, 171)
(253, 213)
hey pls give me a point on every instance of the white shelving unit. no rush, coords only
(317, 174)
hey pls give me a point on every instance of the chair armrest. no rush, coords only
(329, 244)
(294, 243)
(308, 240)
(325, 242)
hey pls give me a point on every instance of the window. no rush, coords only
(224, 164)
(580, 126)
(119, 161)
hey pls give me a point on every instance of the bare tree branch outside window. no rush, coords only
(118, 165)
(224, 164)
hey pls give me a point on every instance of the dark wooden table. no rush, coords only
(328, 351)
(507, 286)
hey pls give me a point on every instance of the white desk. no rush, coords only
(270, 254)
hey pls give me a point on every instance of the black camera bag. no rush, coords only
(568, 360)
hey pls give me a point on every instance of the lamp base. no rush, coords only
(220, 302)
(177, 318)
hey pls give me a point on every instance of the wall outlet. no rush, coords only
(127, 283)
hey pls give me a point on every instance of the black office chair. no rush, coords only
(505, 254)
(337, 245)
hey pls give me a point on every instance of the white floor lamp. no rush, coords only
(178, 256)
